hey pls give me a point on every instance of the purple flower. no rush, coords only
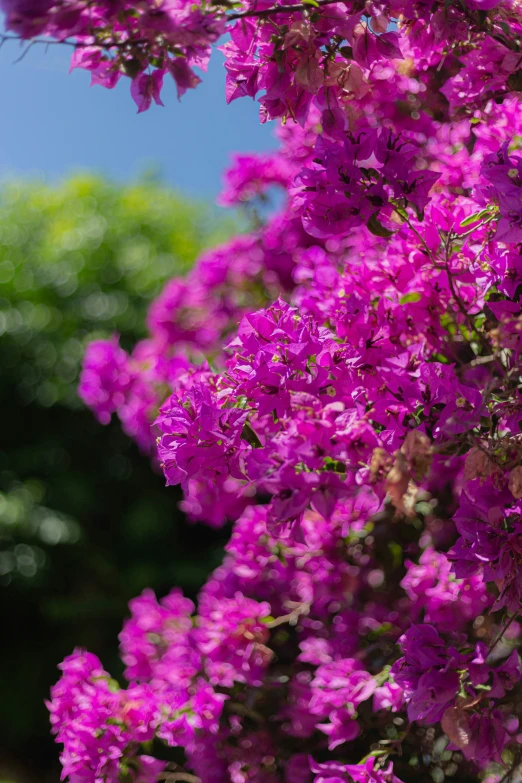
(200, 438)
(156, 642)
(428, 673)
(341, 683)
(105, 379)
(252, 175)
(368, 772)
(99, 725)
(27, 18)
(232, 635)
(447, 602)
(146, 88)
(504, 175)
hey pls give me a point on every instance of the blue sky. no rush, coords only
(55, 124)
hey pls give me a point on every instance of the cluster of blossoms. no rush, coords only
(340, 193)
(342, 385)
(113, 38)
(321, 54)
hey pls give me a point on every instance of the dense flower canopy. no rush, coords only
(343, 385)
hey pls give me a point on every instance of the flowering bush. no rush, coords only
(360, 426)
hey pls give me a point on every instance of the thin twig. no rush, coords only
(483, 360)
(505, 777)
(475, 228)
(77, 44)
(291, 618)
(502, 632)
(261, 13)
(186, 777)
(284, 9)
(242, 709)
(25, 51)
(421, 239)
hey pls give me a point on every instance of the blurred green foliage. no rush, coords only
(85, 523)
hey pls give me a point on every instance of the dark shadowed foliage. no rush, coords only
(85, 523)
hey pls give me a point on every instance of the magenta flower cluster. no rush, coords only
(356, 180)
(342, 385)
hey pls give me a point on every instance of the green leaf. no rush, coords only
(418, 211)
(372, 173)
(415, 296)
(396, 553)
(474, 218)
(346, 52)
(383, 675)
(514, 81)
(376, 227)
(439, 357)
(401, 211)
(375, 754)
(250, 436)
(132, 67)
(311, 2)
(337, 466)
